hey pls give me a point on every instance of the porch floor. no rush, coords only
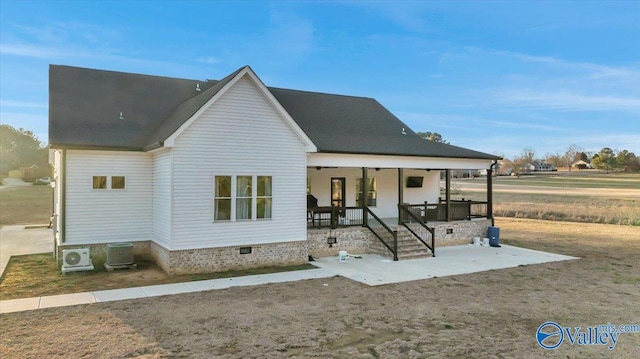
(375, 270)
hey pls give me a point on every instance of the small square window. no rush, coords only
(117, 182)
(99, 182)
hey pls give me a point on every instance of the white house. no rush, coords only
(539, 166)
(582, 164)
(216, 175)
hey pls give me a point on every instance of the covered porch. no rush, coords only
(393, 198)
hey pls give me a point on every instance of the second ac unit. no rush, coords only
(120, 254)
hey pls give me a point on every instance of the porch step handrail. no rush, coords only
(394, 247)
(406, 212)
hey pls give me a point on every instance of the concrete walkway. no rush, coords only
(18, 240)
(371, 270)
(19, 305)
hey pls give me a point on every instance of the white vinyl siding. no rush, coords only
(162, 174)
(105, 216)
(241, 134)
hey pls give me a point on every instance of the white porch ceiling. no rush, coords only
(379, 161)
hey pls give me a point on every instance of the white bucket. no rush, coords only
(485, 241)
(342, 255)
(476, 241)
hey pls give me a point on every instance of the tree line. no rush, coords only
(20, 148)
(606, 159)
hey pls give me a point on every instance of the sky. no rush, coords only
(496, 77)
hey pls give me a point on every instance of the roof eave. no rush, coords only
(94, 147)
(488, 157)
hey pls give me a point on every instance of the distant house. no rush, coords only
(582, 164)
(539, 166)
(212, 175)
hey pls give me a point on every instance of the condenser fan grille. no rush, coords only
(72, 258)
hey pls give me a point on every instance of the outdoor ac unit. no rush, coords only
(76, 260)
(120, 254)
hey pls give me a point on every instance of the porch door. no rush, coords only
(338, 191)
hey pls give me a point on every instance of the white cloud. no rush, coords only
(26, 50)
(209, 60)
(565, 101)
(22, 104)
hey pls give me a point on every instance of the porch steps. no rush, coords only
(408, 247)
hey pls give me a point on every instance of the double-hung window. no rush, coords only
(244, 197)
(222, 201)
(241, 198)
(264, 197)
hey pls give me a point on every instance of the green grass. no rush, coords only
(26, 205)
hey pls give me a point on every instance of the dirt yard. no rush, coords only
(485, 315)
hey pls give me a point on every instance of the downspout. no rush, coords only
(490, 192)
(63, 196)
(400, 193)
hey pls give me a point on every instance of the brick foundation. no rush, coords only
(462, 232)
(206, 260)
(355, 240)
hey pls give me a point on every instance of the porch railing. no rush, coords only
(412, 217)
(333, 217)
(388, 237)
(460, 209)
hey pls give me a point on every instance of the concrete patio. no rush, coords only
(376, 270)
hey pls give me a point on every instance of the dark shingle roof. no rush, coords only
(85, 104)
(348, 124)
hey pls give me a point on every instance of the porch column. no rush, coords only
(490, 193)
(365, 195)
(400, 192)
(448, 194)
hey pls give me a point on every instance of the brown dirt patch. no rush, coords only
(492, 314)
